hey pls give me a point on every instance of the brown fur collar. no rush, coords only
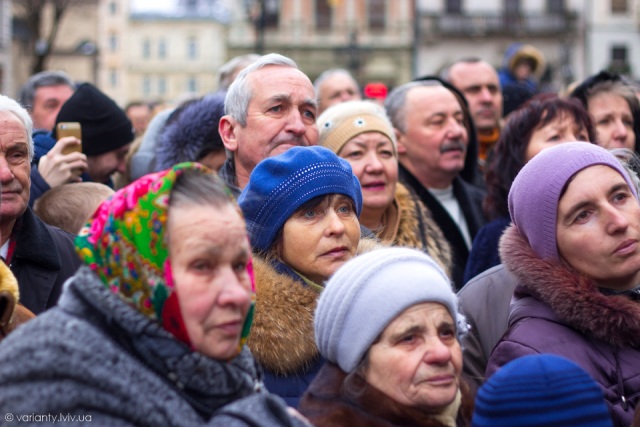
(572, 296)
(282, 337)
(328, 402)
(12, 314)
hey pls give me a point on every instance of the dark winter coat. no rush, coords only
(559, 311)
(470, 199)
(484, 252)
(328, 403)
(98, 359)
(44, 258)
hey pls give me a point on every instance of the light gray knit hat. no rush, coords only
(369, 292)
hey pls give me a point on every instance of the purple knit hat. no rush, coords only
(535, 193)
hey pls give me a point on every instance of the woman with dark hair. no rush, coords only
(544, 121)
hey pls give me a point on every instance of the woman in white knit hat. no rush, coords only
(388, 325)
(361, 133)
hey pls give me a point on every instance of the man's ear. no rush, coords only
(400, 138)
(227, 129)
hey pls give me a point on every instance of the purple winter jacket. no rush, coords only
(556, 310)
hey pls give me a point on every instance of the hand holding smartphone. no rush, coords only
(70, 129)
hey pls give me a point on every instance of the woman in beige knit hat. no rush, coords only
(361, 133)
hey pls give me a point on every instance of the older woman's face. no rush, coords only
(209, 252)
(317, 241)
(563, 128)
(613, 120)
(374, 162)
(598, 228)
(418, 360)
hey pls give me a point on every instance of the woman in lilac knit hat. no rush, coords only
(574, 248)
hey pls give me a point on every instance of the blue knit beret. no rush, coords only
(540, 390)
(535, 193)
(279, 185)
(368, 292)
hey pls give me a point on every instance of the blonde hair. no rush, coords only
(70, 206)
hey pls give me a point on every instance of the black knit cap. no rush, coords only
(105, 126)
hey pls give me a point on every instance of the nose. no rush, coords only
(234, 292)
(122, 166)
(620, 131)
(335, 224)
(456, 129)
(374, 164)
(295, 123)
(6, 174)
(616, 220)
(438, 352)
(485, 95)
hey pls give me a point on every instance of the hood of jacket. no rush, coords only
(573, 297)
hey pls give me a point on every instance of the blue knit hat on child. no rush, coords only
(279, 185)
(540, 390)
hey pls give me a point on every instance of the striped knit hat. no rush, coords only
(535, 193)
(540, 390)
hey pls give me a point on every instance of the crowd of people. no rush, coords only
(463, 252)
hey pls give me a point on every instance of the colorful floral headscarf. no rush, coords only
(124, 244)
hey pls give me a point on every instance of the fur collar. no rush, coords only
(282, 338)
(574, 297)
(329, 401)
(416, 229)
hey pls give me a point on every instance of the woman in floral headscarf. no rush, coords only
(151, 330)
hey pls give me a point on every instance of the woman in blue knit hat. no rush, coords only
(302, 210)
(574, 249)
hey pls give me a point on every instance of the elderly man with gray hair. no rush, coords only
(269, 108)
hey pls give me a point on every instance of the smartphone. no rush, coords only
(70, 129)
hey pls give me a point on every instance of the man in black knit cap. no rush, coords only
(107, 134)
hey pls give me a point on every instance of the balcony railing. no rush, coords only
(486, 24)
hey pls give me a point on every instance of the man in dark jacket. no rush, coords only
(41, 257)
(437, 154)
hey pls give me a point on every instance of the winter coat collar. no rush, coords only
(32, 237)
(207, 384)
(574, 298)
(282, 338)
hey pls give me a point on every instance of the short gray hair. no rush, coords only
(43, 79)
(228, 70)
(11, 106)
(395, 102)
(195, 187)
(330, 73)
(240, 92)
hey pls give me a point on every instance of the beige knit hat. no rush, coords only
(342, 122)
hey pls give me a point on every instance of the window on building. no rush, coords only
(146, 48)
(162, 86)
(113, 42)
(113, 78)
(512, 7)
(192, 48)
(271, 13)
(192, 85)
(619, 6)
(377, 13)
(619, 54)
(146, 86)
(454, 7)
(323, 15)
(556, 6)
(113, 7)
(162, 48)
